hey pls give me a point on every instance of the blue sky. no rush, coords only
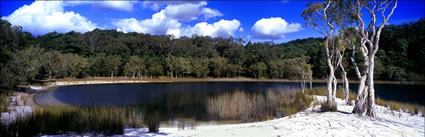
(279, 21)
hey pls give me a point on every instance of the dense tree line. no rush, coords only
(110, 53)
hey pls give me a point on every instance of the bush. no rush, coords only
(153, 122)
(325, 107)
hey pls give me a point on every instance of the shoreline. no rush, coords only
(121, 80)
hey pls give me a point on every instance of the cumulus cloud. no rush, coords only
(222, 28)
(158, 24)
(274, 28)
(190, 11)
(114, 5)
(157, 5)
(184, 11)
(167, 21)
(42, 17)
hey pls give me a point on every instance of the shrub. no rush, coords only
(325, 107)
(153, 121)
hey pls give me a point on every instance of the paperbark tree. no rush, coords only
(369, 45)
(324, 17)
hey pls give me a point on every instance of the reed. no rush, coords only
(399, 106)
(339, 93)
(4, 100)
(52, 121)
(246, 106)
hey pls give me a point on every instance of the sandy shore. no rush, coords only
(310, 123)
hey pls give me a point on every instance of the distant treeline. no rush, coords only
(110, 53)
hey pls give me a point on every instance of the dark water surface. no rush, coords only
(143, 93)
(173, 100)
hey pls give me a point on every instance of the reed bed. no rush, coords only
(393, 105)
(72, 120)
(4, 100)
(405, 107)
(245, 106)
(339, 93)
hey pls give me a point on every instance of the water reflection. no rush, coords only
(168, 101)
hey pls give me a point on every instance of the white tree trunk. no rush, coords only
(334, 88)
(330, 85)
(371, 98)
(346, 84)
(370, 36)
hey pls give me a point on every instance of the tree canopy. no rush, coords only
(111, 53)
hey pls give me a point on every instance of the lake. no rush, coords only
(188, 98)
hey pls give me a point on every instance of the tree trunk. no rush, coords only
(330, 87)
(371, 98)
(50, 74)
(366, 100)
(334, 88)
(361, 97)
(311, 84)
(346, 84)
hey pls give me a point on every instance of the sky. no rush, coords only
(277, 21)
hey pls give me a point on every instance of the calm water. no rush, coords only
(187, 99)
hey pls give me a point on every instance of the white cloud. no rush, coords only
(157, 5)
(42, 17)
(114, 5)
(274, 28)
(190, 11)
(158, 24)
(210, 13)
(222, 28)
(167, 21)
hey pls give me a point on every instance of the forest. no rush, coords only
(26, 59)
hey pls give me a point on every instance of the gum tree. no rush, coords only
(324, 17)
(369, 35)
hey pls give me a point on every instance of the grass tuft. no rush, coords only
(245, 106)
(64, 120)
(397, 106)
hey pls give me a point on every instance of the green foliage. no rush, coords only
(73, 66)
(109, 53)
(135, 67)
(200, 67)
(258, 69)
(218, 65)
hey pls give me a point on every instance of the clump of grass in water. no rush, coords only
(397, 106)
(393, 105)
(322, 92)
(245, 106)
(97, 120)
(325, 107)
(4, 103)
